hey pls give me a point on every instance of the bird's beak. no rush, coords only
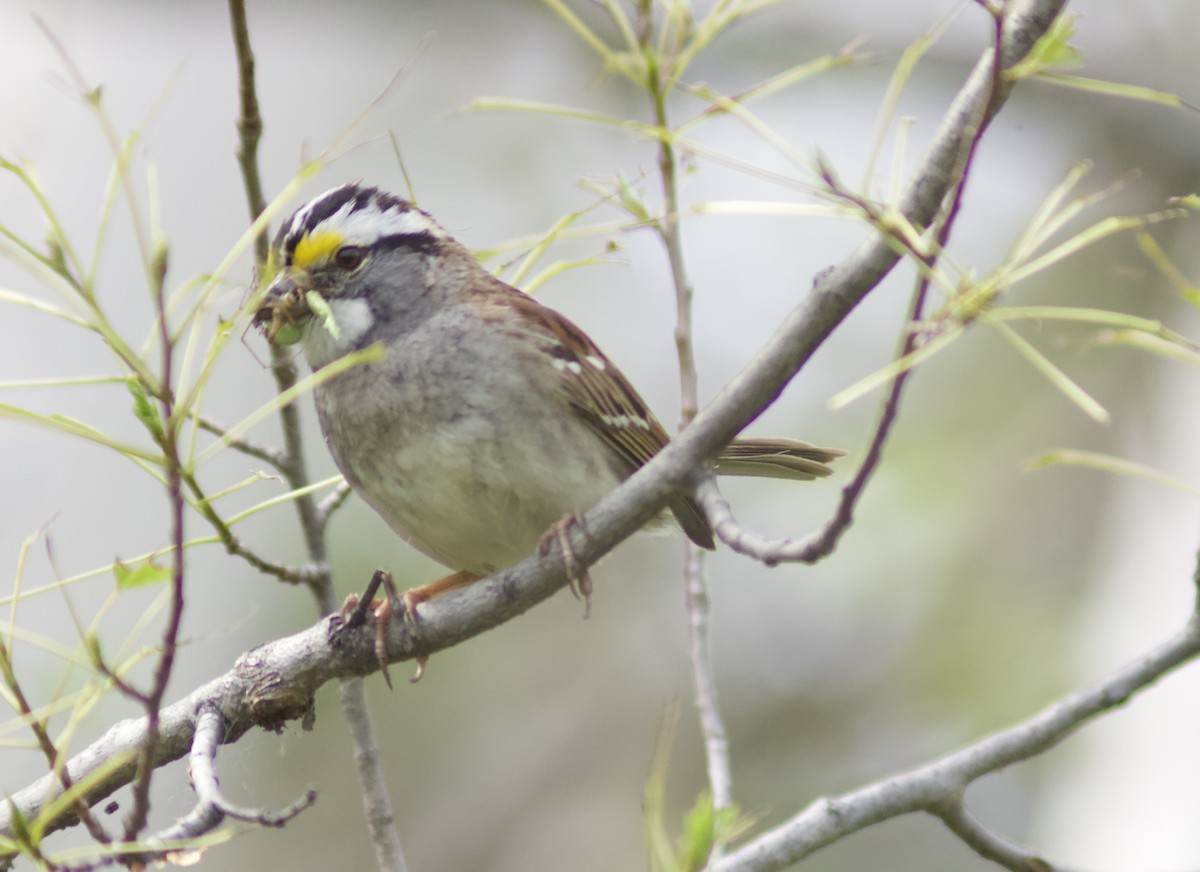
(282, 310)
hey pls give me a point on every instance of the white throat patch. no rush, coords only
(353, 319)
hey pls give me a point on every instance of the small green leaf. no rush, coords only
(320, 308)
(1181, 352)
(1052, 51)
(91, 644)
(1110, 464)
(139, 576)
(159, 260)
(1053, 374)
(144, 410)
(1191, 201)
(19, 824)
(660, 857)
(696, 841)
(1118, 89)
(56, 253)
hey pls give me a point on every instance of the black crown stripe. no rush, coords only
(328, 206)
(422, 240)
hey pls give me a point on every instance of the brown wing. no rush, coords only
(602, 396)
(594, 387)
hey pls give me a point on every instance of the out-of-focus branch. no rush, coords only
(313, 520)
(696, 597)
(938, 787)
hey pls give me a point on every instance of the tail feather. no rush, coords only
(766, 458)
(776, 458)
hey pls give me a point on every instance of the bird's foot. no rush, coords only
(578, 578)
(354, 611)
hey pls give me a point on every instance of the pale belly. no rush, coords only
(472, 493)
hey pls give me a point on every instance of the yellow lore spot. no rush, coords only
(316, 247)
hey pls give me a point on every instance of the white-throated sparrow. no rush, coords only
(490, 418)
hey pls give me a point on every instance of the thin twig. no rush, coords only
(376, 800)
(697, 600)
(822, 544)
(234, 545)
(334, 501)
(265, 453)
(168, 438)
(989, 845)
(46, 744)
(211, 807)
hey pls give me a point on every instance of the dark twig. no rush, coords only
(168, 439)
(377, 802)
(46, 744)
(265, 453)
(234, 545)
(249, 123)
(822, 544)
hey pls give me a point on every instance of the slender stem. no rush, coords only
(234, 545)
(698, 602)
(265, 453)
(45, 742)
(376, 799)
(135, 820)
(913, 335)
(249, 123)
(822, 544)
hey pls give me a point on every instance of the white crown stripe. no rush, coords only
(361, 223)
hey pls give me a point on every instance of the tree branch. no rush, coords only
(212, 807)
(275, 683)
(836, 292)
(938, 787)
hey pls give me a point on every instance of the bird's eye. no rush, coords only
(349, 257)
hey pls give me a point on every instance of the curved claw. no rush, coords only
(578, 578)
(420, 673)
(382, 616)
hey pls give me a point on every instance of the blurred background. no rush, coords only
(969, 594)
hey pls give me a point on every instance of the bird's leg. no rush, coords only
(354, 614)
(354, 610)
(414, 596)
(578, 578)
